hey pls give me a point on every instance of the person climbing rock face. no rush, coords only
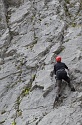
(60, 72)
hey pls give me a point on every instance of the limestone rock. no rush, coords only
(32, 34)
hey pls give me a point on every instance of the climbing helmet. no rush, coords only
(58, 59)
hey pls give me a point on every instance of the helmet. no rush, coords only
(58, 58)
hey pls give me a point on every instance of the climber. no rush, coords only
(60, 72)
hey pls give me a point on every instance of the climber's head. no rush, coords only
(58, 59)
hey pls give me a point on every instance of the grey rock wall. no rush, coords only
(3, 23)
(32, 34)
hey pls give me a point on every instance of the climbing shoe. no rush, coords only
(73, 89)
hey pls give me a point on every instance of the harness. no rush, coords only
(60, 70)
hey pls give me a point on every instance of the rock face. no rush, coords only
(32, 34)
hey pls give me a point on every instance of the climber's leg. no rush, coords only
(59, 82)
(70, 85)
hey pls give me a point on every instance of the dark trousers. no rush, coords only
(62, 74)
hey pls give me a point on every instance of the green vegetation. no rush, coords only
(60, 49)
(73, 24)
(27, 88)
(67, 1)
(14, 123)
(18, 101)
(25, 91)
(19, 113)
